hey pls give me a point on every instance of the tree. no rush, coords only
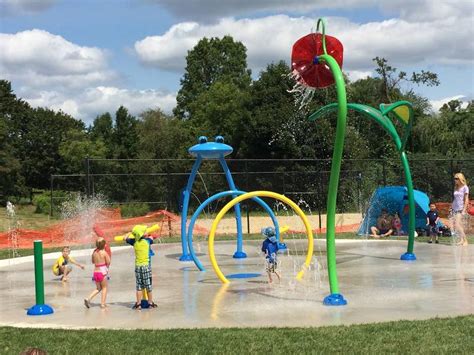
(163, 137)
(450, 133)
(221, 110)
(452, 106)
(125, 136)
(211, 60)
(34, 137)
(39, 151)
(11, 181)
(78, 146)
(273, 121)
(390, 84)
(13, 118)
(102, 129)
(387, 89)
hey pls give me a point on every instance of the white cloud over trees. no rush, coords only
(270, 39)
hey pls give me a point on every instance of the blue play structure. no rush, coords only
(217, 151)
(394, 199)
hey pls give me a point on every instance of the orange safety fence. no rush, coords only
(106, 223)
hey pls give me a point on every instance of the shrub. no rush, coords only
(134, 209)
(42, 201)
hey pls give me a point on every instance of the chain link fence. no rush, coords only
(158, 183)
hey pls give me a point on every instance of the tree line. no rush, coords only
(218, 96)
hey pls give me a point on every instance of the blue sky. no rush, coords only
(89, 56)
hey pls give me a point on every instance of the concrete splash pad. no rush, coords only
(378, 287)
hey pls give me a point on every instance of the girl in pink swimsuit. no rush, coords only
(101, 261)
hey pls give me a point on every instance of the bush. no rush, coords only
(134, 209)
(42, 201)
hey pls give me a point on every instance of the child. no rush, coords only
(62, 267)
(270, 248)
(101, 261)
(383, 227)
(142, 246)
(432, 220)
(397, 223)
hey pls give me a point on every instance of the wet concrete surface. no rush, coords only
(377, 285)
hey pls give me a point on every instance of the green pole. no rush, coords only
(39, 278)
(411, 203)
(335, 171)
(40, 308)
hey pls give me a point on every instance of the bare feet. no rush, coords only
(103, 306)
(87, 303)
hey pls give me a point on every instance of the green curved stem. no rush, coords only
(411, 202)
(322, 22)
(377, 116)
(335, 171)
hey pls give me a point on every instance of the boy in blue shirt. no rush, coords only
(270, 248)
(432, 220)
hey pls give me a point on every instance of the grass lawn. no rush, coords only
(448, 335)
(27, 217)
(5, 253)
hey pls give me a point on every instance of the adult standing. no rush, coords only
(459, 206)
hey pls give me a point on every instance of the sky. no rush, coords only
(87, 57)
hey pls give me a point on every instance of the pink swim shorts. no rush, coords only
(98, 276)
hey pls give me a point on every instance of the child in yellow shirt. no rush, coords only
(141, 243)
(62, 265)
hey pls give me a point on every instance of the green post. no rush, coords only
(411, 204)
(40, 308)
(39, 277)
(335, 172)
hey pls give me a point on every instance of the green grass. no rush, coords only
(6, 253)
(449, 335)
(27, 217)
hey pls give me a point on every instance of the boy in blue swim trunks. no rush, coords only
(142, 245)
(270, 248)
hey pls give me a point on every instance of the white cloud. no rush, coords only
(270, 39)
(50, 71)
(210, 10)
(437, 104)
(15, 7)
(87, 104)
(43, 59)
(428, 10)
(355, 75)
